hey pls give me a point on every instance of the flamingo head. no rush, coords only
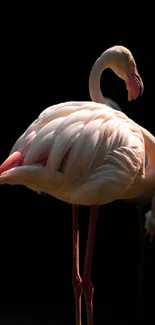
(124, 66)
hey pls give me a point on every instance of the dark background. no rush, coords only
(47, 55)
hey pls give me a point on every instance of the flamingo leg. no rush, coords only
(87, 285)
(76, 279)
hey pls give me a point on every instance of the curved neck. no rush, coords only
(99, 66)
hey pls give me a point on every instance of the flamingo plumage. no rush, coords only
(86, 153)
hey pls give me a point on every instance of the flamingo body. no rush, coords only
(80, 152)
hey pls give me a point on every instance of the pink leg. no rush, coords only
(76, 279)
(86, 280)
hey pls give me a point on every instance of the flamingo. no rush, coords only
(86, 153)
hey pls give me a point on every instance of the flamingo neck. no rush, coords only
(102, 63)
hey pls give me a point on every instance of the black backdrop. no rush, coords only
(46, 59)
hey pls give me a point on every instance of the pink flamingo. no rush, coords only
(86, 153)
